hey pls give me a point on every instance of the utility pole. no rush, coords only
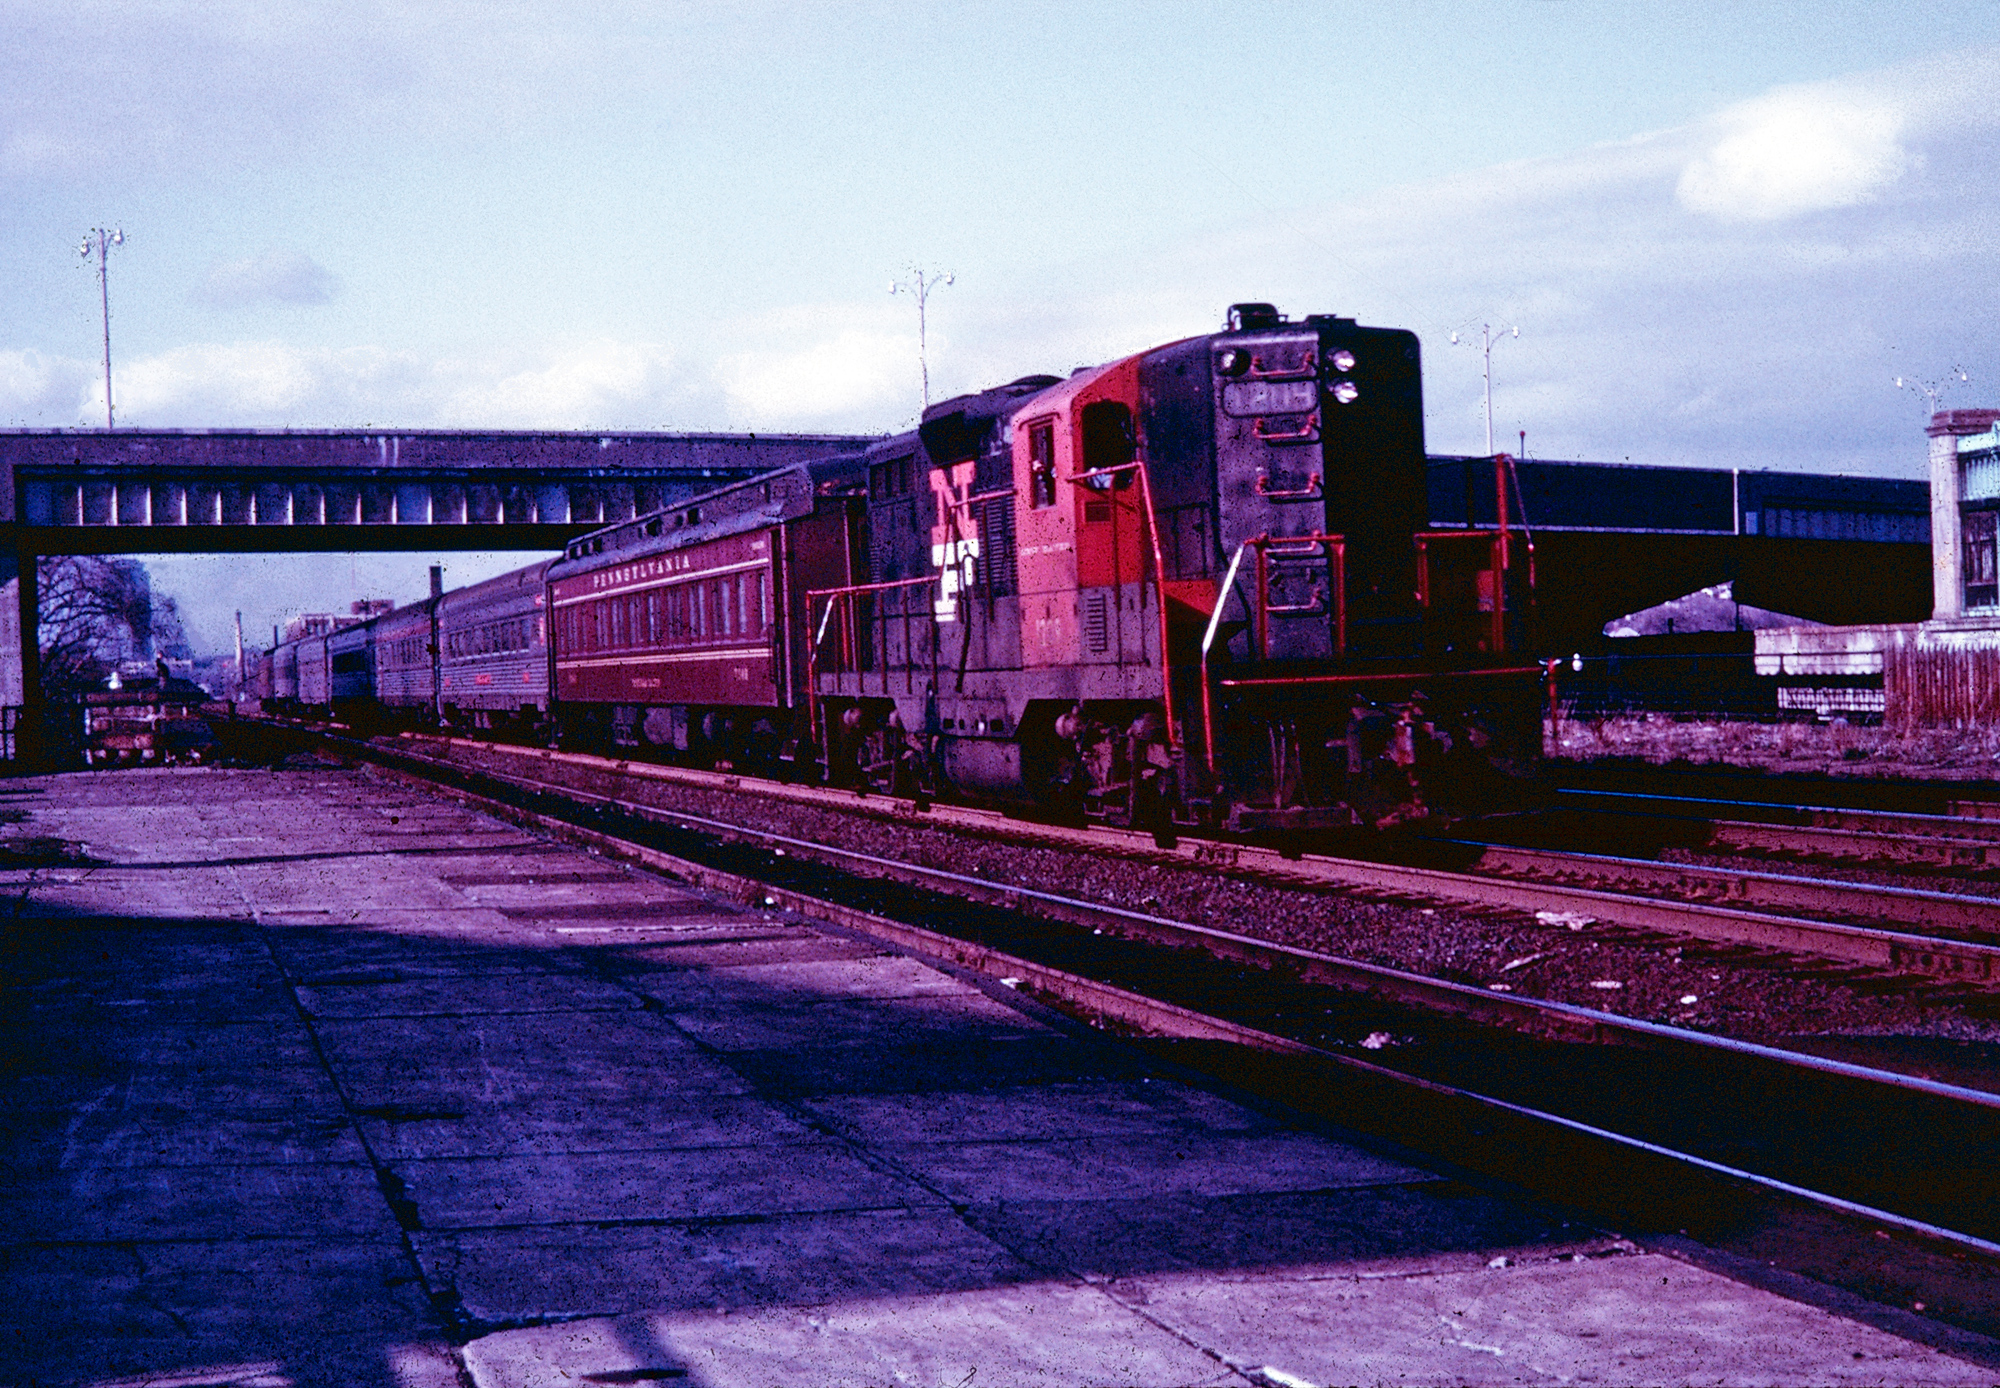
(919, 286)
(101, 241)
(1487, 337)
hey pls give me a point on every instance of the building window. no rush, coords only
(1981, 480)
(1982, 565)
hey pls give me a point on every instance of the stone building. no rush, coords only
(1944, 672)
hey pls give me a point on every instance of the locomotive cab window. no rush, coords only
(1108, 442)
(1042, 463)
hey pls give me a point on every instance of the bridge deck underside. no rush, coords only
(318, 498)
(288, 539)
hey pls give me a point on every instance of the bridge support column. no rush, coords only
(29, 749)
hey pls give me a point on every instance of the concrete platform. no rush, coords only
(314, 1080)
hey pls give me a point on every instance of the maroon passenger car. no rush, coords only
(675, 629)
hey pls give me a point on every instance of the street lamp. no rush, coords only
(101, 241)
(919, 286)
(1487, 337)
(1932, 391)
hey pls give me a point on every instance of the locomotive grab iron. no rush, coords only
(1194, 586)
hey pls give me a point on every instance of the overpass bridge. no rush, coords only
(340, 491)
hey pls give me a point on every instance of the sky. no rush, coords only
(1722, 231)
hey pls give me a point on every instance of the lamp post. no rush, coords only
(1487, 337)
(1933, 391)
(919, 286)
(101, 241)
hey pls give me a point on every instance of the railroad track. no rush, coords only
(1888, 838)
(1865, 1178)
(1975, 919)
(1932, 935)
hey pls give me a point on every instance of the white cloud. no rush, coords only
(603, 383)
(283, 277)
(1664, 318)
(243, 381)
(828, 366)
(37, 389)
(1796, 151)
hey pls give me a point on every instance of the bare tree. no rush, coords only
(96, 614)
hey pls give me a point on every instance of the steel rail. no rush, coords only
(1856, 845)
(1973, 916)
(1436, 995)
(1108, 1003)
(1866, 946)
(1881, 836)
(1957, 825)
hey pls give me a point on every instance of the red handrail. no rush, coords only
(1497, 540)
(1337, 565)
(1138, 465)
(845, 597)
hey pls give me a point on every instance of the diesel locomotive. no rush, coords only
(1194, 586)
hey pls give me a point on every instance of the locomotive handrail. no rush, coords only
(869, 587)
(971, 501)
(1305, 433)
(834, 597)
(1407, 676)
(1138, 465)
(1496, 537)
(1307, 368)
(1337, 563)
(1302, 546)
(1309, 492)
(1208, 640)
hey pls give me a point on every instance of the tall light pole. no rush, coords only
(1488, 335)
(919, 286)
(101, 241)
(1932, 391)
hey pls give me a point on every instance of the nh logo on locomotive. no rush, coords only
(955, 560)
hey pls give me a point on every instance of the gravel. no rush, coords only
(1737, 993)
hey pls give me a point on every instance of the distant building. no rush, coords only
(319, 624)
(1944, 672)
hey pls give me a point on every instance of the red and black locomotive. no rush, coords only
(1192, 586)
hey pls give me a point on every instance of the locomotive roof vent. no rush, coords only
(1245, 318)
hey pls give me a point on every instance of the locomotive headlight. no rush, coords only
(1346, 392)
(1341, 360)
(1232, 362)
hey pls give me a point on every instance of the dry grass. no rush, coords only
(1838, 747)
